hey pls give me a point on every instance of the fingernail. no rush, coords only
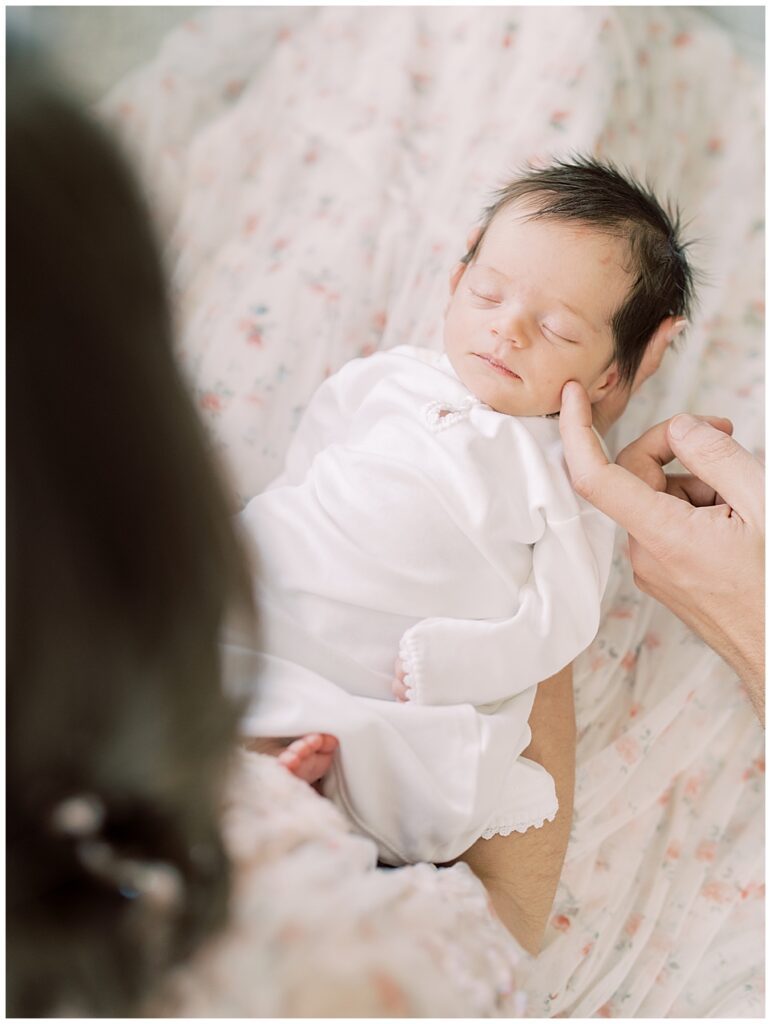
(681, 425)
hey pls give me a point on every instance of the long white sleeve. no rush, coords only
(480, 661)
(557, 608)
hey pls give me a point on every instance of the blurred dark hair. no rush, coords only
(597, 194)
(122, 565)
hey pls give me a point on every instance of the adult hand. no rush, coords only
(696, 541)
(611, 407)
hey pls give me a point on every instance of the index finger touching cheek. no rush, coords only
(583, 451)
(631, 502)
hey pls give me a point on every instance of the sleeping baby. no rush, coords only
(423, 562)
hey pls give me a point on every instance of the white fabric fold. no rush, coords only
(455, 541)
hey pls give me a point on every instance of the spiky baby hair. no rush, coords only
(598, 194)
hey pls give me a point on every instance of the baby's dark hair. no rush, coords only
(589, 192)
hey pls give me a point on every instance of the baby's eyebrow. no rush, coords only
(562, 302)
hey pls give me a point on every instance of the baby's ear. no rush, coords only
(661, 339)
(457, 271)
(473, 238)
(455, 275)
(604, 383)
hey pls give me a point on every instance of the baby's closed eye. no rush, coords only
(557, 334)
(485, 297)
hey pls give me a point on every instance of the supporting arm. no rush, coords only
(521, 871)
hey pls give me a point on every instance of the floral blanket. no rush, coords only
(314, 173)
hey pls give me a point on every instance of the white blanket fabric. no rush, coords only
(315, 173)
(411, 517)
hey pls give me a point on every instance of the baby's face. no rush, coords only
(533, 311)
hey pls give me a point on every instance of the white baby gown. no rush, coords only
(411, 519)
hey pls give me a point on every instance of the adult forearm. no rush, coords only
(732, 624)
(521, 871)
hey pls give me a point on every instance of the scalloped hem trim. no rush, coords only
(519, 826)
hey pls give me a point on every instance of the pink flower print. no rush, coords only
(279, 244)
(633, 924)
(659, 942)
(753, 889)
(210, 402)
(251, 223)
(390, 994)
(506, 43)
(665, 797)
(643, 59)
(283, 34)
(694, 785)
(586, 950)
(634, 711)
(714, 145)
(760, 764)
(558, 118)
(652, 640)
(234, 88)
(560, 922)
(673, 851)
(253, 333)
(606, 1010)
(597, 662)
(311, 155)
(629, 661)
(681, 39)
(717, 892)
(379, 320)
(420, 81)
(367, 350)
(620, 612)
(628, 749)
(706, 851)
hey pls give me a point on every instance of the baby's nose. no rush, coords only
(511, 327)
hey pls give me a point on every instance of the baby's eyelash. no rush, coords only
(487, 298)
(561, 337)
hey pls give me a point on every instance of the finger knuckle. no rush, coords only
(716, 446)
